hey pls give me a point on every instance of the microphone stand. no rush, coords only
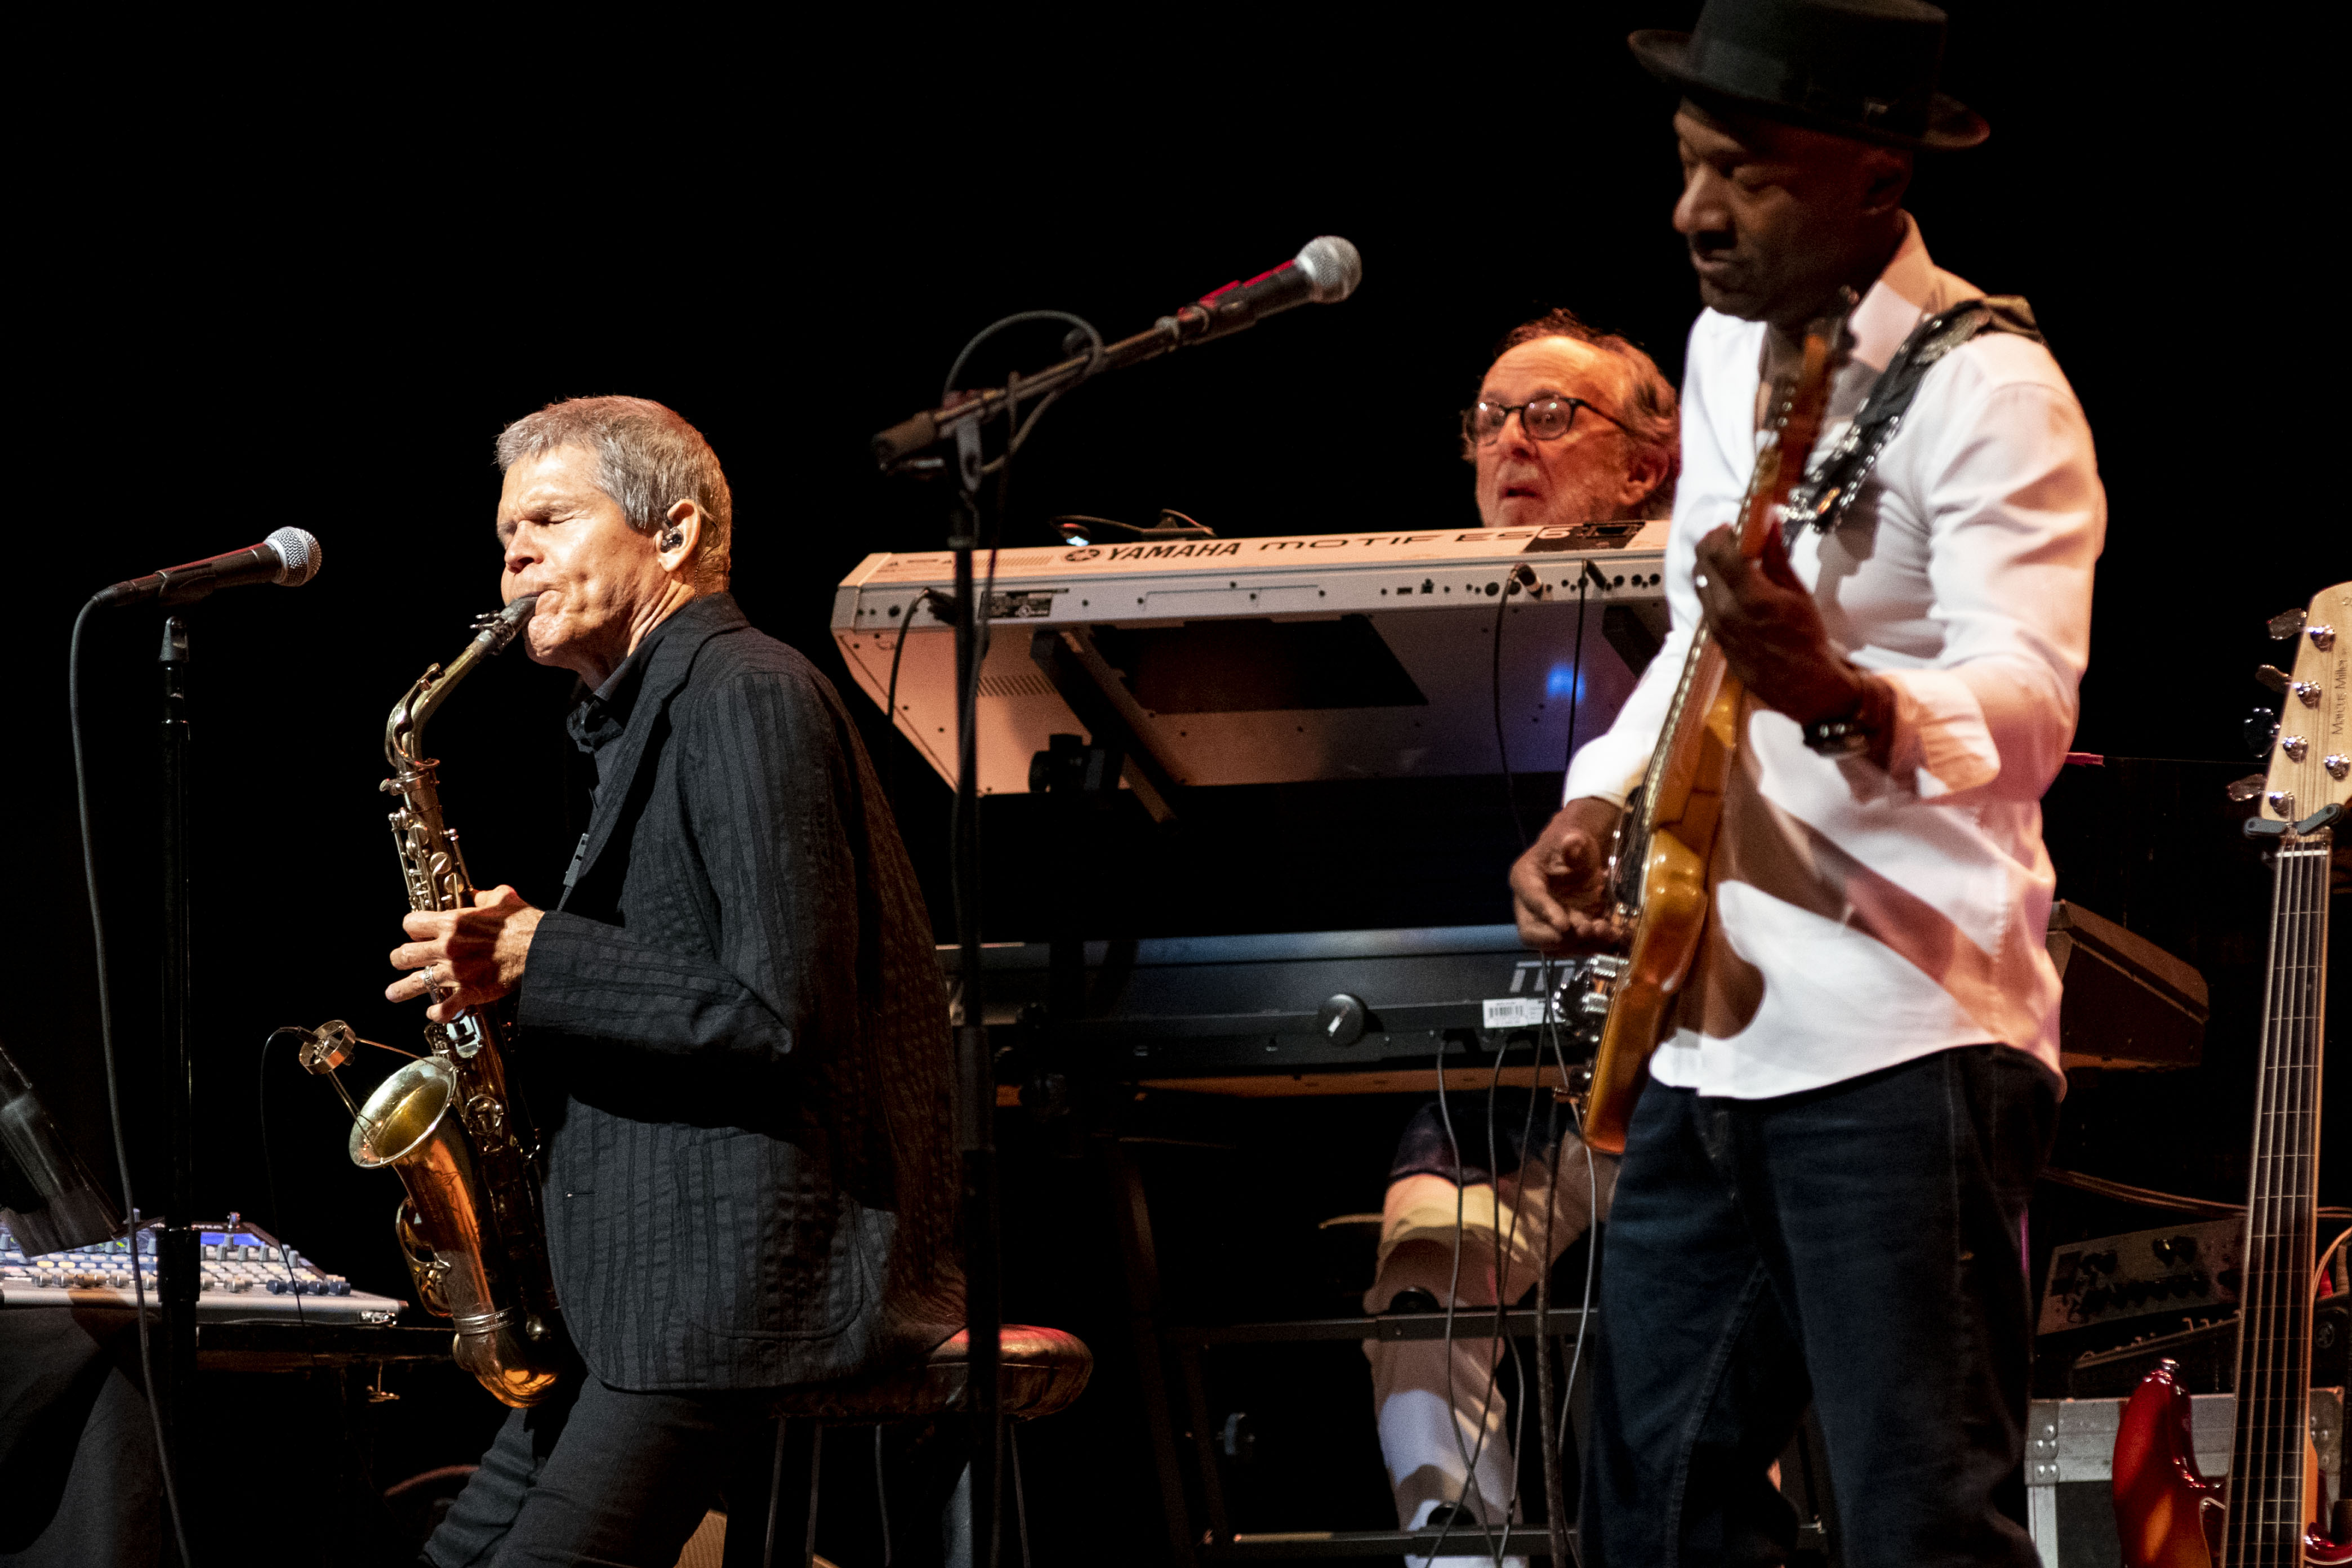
(178, 1276)
(899, 451)
(976, 1064)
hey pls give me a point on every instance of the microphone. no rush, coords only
(1324, 272)
(289, 556)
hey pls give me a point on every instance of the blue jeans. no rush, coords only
(1856, 1248)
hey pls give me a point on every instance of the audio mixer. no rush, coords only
(248, 1273)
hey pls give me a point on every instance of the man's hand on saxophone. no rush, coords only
(464, 958)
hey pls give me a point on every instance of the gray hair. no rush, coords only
(648, 458)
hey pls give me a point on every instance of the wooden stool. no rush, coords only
(1040, 1372)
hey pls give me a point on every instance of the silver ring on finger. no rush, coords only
(432, 984)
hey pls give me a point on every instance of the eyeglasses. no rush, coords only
(1544, 418)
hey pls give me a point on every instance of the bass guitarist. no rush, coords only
(1824, 1179)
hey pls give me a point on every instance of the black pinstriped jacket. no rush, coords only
(735, 1033)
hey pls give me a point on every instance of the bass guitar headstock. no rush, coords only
(2309, 783)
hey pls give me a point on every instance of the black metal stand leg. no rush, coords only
(775, 1493)
(1204, 1445)
(1020, 1497)
(816, 1473)
(1134, 1221)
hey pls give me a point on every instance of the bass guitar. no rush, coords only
(1657, 872)
(2167, 1515)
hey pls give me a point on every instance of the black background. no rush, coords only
(318, 305)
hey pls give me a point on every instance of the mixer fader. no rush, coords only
(246, 1273)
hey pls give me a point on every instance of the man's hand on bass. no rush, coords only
(1558, 887)
(464, 958)
(1771, 634)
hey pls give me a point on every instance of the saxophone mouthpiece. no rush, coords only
(503, 627)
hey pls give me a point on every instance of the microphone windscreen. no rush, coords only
(1333, 267)
(299, 551)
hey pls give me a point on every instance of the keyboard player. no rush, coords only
(1571, 425)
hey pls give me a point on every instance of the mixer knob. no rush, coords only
(1340, 1019)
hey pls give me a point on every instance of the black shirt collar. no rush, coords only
(602, 715)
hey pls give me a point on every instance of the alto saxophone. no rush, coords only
(471, 1226)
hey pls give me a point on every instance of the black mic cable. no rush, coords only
(114, 1094)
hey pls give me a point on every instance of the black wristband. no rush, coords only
(1838, 737)
(1853, 734)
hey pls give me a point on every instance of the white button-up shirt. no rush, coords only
(1864, 917)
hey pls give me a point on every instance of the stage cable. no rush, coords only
(1575, 682)
(163, 1456)
(1547, 1440)
(1470, 1454)
(1521, 576)
(1550, 1440)
(929, 597)
(1591, 1259)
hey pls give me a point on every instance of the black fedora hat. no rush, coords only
(1864, 68)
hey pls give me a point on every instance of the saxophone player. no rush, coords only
(732, 1020)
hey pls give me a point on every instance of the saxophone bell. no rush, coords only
(413, 1125)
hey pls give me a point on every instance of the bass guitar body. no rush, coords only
(2167, 1514)
(1671, 864)
(1658, 877)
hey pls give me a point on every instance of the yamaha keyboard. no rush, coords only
(1273, 660)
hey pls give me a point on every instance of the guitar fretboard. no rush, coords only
(2267, 1513)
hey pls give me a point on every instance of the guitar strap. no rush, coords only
(1822, 496)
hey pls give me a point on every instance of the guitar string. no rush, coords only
(2293, 1265)
(2250, 1452)
(2260, 1458)
(2282, 1484)
(2313, 927)
(2249, 1449)
(2268, 1482)
(2280, 1479)
(2292, 1416)
(2310, 920)
(2247, 1427)
(2253, 1456)
(2272, 1421)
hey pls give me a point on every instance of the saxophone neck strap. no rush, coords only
(1821, 497)
(573, 875)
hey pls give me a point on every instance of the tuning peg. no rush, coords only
(2262, 732)
(2285, 624)
(2247, 788)
(2285, 685)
